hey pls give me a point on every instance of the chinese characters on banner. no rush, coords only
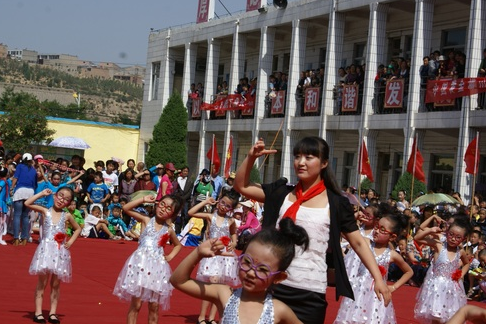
(447, 89)
(278, 103)
(249, 106)
(205, 11)
(311, 103)
(350, 98)
(394, 93)
(253, 4)
(196, 108)
(223, 107)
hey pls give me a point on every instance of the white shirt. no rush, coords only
(308, 269)
(111, 180)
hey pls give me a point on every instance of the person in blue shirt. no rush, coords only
(218, 181)
(98, 193)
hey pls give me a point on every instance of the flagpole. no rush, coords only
(476, 151)
(414, 161)
(360, 167)
(212, 156)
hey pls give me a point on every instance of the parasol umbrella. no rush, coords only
(353, 200)
(142, 193)
(434, 199)
(70, 142)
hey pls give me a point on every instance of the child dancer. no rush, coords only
(145, 276)
(366, 307)
(262, 264)
(222, 268)
(442, 292)
(52, 257)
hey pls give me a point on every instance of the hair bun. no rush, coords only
(295, 233)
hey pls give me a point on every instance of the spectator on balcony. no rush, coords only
(191, 95)
(200, 90)
(434, 61)
(379, 93)
(441, 71)
(360, 75)
(284, 82)
(451, 62)
(253, 86)
(224, 88)
(299, 92)
(460, 65)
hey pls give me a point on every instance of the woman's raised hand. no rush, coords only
(258, 149)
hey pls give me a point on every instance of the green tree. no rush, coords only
(405, 183)
(255, 175)
(24, 121)
(366, 184)
(168, 143)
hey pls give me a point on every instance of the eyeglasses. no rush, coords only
(63, 198)
(262, 271)
(163, 205)
(227, 207)
(382, 229)
(454, 236)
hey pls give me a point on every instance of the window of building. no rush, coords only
(359, 53)
(322, 57)
(481, 177)
(275, 63)
(397, 167)
(286, 62)
(348, 167)
(154, 82)
(454, 39)
(442, 168)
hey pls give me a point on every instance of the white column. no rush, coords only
(211, 77)
(335, 41)
(297, 57)
(422, 38)
(475, 41)
(237, 59)
(189, 69)
(167, 78)
(265, 58)
(374, 55)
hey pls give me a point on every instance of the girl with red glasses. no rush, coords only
(262, 264)
(442, 293)
(222, 268)
(366, 308)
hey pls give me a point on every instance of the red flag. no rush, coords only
(415, 162)
(472, 157)
(364, 162)
(229, 158)
(213, 155)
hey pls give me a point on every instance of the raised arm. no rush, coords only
(128, 208)
(181, 278)
(242, 182)
(80, 173)
(30, 202)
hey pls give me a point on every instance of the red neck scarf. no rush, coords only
(311, 193)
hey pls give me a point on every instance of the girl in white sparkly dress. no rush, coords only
(262, 264)
(442, 293)
(366, 308)
(221, 268)
(146, 274)
(52, 257)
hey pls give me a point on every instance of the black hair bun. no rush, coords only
(295, 233)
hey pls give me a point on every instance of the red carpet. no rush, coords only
(89, 299)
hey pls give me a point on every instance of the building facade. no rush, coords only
(314, 34)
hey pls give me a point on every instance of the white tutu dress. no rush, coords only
(366, 308)
(224, 268)
(146, 273)
(51, 256)
(440, 296)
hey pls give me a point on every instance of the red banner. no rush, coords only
(230, 102)
(278, 102)
(350, 98)
(253, 4)
(446, 89)
(222, 111)
(394, 93)
(202, 11)
(196, 107)
(311, 103)
(250, 104)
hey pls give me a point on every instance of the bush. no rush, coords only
(405, 183)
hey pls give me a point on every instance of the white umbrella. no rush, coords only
(70, 142)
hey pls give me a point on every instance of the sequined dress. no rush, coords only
(51, 256)
(146, 273)
(440, 297)
(366, 308)
(352, 260)
(230, 314)
(224, 268)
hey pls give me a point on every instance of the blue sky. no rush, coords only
(100, 31)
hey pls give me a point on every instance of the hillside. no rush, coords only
(109, 101)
